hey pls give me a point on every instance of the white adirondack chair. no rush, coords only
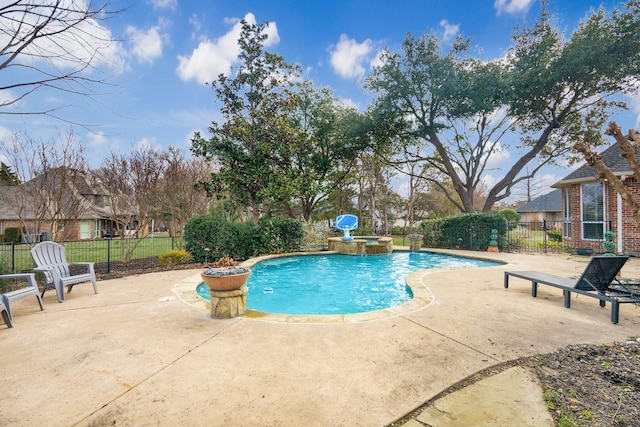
(50, 259)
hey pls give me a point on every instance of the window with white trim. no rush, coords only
(592, 211)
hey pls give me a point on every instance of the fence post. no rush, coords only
(108, 255)
(544, 236)
(13, 257)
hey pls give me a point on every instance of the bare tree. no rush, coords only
(134, 183)
(57, 46)
(52, 176)
(178, 199)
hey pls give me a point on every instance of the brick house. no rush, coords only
(590, 206)
(62, 203)
(547, 207)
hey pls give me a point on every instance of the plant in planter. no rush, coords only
(225, 275)
(609, 245)
(493, 243)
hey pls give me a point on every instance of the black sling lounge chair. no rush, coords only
(598, 280)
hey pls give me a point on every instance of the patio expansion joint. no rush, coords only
(495, 359)
(153, 374)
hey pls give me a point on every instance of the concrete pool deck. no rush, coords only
(136, 354)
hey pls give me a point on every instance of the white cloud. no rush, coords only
(194, 21)
(145, 45)
(349, 103)
(164, 4)
(497, 157)
(547, 179)
(148, 144)
(512, 7)
(97, 139)
(7, 96)
(634, 104)
(68, 47)
(488, 180)
(403, 189)
(348, 57)
(5, 135)
(450, 30)
(378, 60)
(214, 57)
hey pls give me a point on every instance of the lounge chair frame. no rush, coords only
(597, 281)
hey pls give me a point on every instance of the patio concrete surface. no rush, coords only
(137, 355)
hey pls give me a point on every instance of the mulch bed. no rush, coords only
(589, 385)
(583, 385)
(137, 266)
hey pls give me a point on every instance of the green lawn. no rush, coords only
(90, 251)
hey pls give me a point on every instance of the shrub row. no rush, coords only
(470, 231)
(240, 240)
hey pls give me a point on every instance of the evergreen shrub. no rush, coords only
(465, 231)
(14, 234)
(240, 240)
(554, 235)
(174, 257)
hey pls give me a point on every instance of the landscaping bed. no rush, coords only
(583, 385)
(592, 385)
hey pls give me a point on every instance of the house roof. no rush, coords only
(551, 202)
(20, 202)
(612, 157)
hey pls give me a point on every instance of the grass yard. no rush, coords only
(19, 257)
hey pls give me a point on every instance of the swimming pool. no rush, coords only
(339, 284)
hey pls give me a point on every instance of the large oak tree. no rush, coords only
(549, 90)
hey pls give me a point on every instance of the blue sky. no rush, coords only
(168, 49)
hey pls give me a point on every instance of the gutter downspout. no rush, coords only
(619, 214)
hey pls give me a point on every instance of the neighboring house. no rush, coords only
(544, 208)
(61, 203)
(591, 206)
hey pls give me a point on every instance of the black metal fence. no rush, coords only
(109, 255)
(538, 236)
(138, 255)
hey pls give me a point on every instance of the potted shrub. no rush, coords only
(493, 243)
(225, 275)
(609, 245)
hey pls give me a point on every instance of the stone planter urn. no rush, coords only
(227, 290)
(225, 278)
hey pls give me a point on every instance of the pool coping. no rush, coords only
(422, 296)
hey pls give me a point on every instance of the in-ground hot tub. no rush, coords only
(362, 245)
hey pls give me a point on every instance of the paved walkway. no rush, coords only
(137, 355)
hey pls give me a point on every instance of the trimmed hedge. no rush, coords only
(465, 231)
(239, 240)
(14, 234)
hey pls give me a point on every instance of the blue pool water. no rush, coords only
(339, 284)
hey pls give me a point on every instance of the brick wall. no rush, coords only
(630, 226)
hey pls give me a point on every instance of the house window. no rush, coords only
(566, 212)
(593, 211)
(96, 229)
(85, 229)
